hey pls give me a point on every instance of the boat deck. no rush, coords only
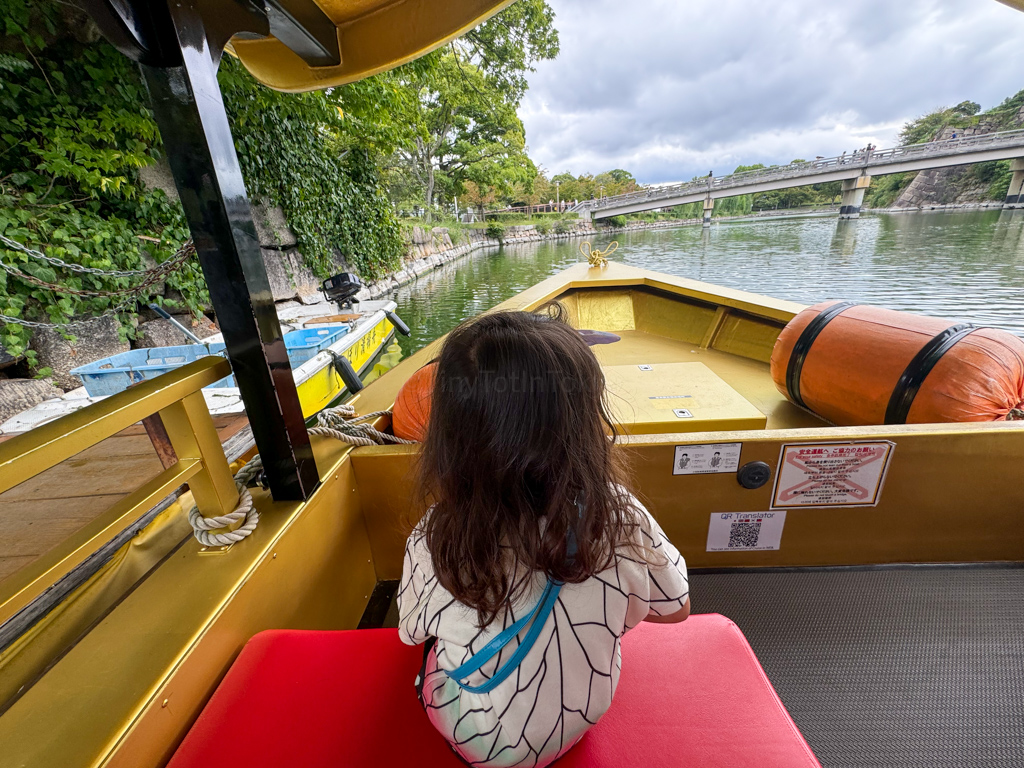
(916, 666)
(749, 378)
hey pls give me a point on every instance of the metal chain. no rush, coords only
(153, 275)
(118, 308)
(15, 245)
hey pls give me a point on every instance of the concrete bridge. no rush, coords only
(855, 171)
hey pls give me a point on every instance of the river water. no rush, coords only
(962, 266)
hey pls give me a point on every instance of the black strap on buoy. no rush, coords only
(803, 346)
(917, 371)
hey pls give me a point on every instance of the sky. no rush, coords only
(672, 89)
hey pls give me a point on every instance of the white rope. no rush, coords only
(340, 423)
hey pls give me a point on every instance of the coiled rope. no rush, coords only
(596, 257)
(340, 423)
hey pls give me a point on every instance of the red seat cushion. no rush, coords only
(691, 694)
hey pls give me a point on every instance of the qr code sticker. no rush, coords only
(744, 533)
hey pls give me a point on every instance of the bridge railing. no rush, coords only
(811, 168)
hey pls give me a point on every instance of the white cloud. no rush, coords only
(669, 90)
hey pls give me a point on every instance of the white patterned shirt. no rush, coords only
(566, 681)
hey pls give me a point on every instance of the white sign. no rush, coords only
(706, 459)
(745, 531)
(831, 474)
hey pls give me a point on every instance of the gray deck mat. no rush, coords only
(888, 668)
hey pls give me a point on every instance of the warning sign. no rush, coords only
(706, 459)
(831, 474)
(745, 531)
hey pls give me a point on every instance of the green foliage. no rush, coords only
(331, 195)
(75, 131)
(542, 227)
(496, 231)
(562, 227)
(459, 126)
(587, 187)
(75, 128)
(508, 45)
(885, 190)
(615, 221)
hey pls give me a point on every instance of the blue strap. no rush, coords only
(539, 616)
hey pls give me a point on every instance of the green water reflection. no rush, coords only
(965, 266)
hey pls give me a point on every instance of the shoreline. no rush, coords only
(433, 258)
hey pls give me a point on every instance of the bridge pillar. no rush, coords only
(1015, 194)
(853, 196)
(709, 207)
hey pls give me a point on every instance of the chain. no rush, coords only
(120, 307)
(16, 246)
(152, 275)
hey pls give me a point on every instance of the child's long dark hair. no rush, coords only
(519, 432)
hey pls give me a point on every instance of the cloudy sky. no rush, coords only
(670, 89)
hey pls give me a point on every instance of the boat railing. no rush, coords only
(200, 461)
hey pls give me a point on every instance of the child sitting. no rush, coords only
(534, 560)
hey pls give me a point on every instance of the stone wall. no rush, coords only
(953, 186)
(434, 248)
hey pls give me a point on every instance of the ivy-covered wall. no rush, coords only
(75, 128)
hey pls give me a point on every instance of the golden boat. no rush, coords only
(112, 642)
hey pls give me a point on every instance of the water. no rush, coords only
(964, 266)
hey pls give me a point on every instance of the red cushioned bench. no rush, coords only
(691, 694)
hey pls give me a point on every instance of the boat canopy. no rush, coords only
(372, 36)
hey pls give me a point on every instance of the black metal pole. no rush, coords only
(190, 111)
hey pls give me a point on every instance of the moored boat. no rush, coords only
(359, 337)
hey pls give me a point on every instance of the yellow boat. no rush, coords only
(112, 642)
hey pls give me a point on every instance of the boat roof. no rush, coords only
(373, 36)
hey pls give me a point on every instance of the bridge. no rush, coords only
(855, 171)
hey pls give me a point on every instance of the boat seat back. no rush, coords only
(691, 694)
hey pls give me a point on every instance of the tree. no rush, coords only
(462, 130)
(507, 45)
(454, 114)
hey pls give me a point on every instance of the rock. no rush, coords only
(311, 298)
(272, 227)
(289, 277)
(420, 236)
(162, 333)
(175, 296)
(157, 289)
(159, 176)
(7, 359)
(95, 339)
(159, 333)
(17, 395)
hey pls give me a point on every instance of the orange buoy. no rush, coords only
(412, 406)
(855, 365)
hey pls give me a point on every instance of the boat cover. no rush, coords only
(691, 694)
(373, 35)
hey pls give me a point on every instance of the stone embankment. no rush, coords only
(956, 186)
(433, 248)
